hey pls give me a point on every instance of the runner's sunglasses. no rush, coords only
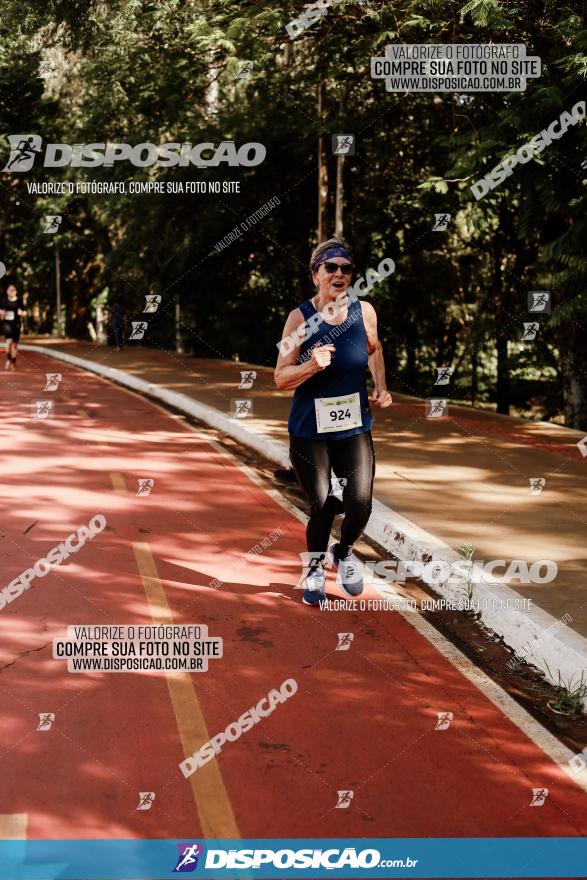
(345, 268)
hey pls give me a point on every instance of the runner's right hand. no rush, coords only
(322, 356)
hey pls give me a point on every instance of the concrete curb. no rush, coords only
(526, 631)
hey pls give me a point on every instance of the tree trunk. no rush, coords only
(573, 364)
(474, 369)
(322, 171)
(450, 345)
(503, 367)
(411, 358)
(339, 205)
(503, 375)
(338, 221)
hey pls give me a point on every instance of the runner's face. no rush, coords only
(332, 284)
(11, 291)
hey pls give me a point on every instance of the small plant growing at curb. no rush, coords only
(466, 551)
(569, 695)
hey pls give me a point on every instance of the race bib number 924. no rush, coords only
(338, 413)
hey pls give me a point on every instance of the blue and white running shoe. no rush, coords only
(349, 571)
(315, 591)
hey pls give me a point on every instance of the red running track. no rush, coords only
(362, 720)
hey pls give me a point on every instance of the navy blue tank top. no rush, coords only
(345, 375)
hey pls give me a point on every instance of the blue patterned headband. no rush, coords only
(331, 252)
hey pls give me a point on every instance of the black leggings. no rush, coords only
(353, 459)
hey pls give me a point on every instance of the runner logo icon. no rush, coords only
(537, 484)
(539, 796)
(344, 799)
(531, 328)
(152, 302)
(42, 409)
(337, 484)
(343, 145)
(247, 379)
(53, 380)
(443, 375)
(146, 799)
(344, 641)
(246, 70)
(240, 409)
(441, 222)
(52, 223)
(189, 854)
(444, 719)
(24, 149)
(46, 719)
(436, 409)
(539, 301)
(138, 329)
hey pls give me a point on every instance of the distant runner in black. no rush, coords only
(116, 309)
(11, 311)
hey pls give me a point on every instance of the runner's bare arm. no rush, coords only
(289, 374)
(380, 395)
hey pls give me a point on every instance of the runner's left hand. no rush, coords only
(380, 398)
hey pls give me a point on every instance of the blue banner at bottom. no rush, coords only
(306, 859)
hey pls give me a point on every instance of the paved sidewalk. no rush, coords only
(465, 478)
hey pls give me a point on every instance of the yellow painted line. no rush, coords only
(13, 826)
(210, 795)
(118, 483)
